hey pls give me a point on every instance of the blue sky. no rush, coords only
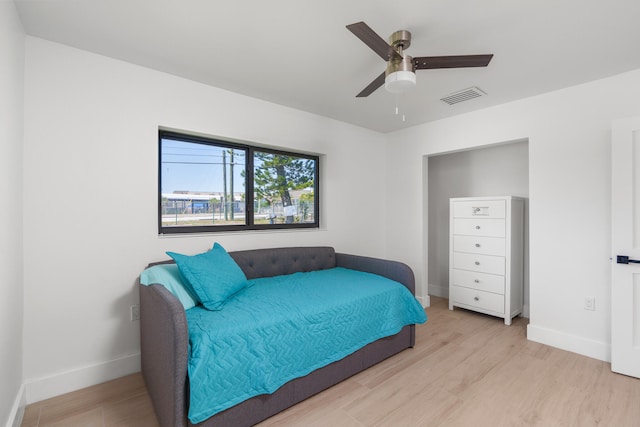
(188, 166)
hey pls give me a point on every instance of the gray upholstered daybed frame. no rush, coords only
(164, 339)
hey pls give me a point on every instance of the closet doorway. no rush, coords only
(496, 170)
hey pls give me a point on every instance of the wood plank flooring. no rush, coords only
(466, 369)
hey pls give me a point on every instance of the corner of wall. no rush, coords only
(439, 291)
(17, 410)
(425, 301)
(12, 78)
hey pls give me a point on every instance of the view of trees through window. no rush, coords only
(209, 185)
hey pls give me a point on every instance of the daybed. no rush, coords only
(165, 339)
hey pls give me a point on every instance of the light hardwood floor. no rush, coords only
(466, 369)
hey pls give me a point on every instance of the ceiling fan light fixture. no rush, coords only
(400, 81)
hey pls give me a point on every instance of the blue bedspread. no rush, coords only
(285, 327)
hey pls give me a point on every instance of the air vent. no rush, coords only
(463, 95)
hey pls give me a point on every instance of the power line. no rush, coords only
(201, 163)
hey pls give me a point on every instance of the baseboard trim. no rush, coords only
(439, 291)
(76, 379)
(17, 410)
(425, 301)
(573, 343)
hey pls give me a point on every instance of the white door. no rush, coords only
(625, 238)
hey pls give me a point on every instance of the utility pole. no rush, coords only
(231, 163)
(224, 183)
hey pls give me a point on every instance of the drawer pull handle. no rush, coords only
(477, 262)
(477, 245)
(477, 227)
(477, 281)
(476, 299)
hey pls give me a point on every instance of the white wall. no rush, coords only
(569, 199)
(498, 170)
(90, 199)
(12, 50)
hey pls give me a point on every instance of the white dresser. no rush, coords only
(486, 255)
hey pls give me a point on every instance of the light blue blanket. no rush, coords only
(285, 327)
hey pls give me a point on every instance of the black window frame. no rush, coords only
(249, 187)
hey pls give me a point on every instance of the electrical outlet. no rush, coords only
(135, 312)
(590, 303)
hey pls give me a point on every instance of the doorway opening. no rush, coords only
(495, 170)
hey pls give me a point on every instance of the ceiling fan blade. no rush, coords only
(459, 61)
(374, 41)
(379, 81)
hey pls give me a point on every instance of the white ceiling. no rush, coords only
(298, 53)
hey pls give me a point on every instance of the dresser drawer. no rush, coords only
(481, 281)
(481, 263)
(479, 245)
(479, 209)
(479, 227)
(477, 299)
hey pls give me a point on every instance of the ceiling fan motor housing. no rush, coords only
(403, 64)
(400, 73)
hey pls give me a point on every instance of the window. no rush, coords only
(212, 185)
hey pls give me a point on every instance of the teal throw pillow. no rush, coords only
(169, 276)
(213, 275)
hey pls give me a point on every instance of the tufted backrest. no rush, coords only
(277, 261)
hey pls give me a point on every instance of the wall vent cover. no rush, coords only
(463, 95)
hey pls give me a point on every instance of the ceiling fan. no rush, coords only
(400, 74)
